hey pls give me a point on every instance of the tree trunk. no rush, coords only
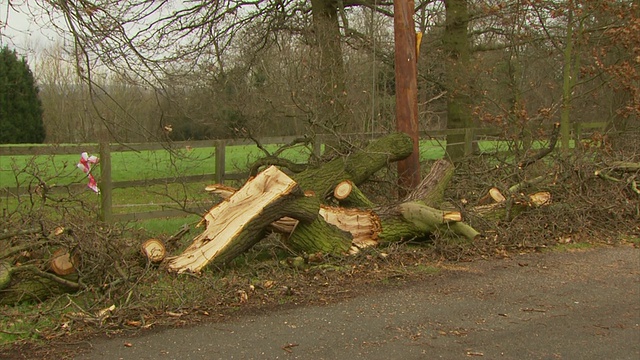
(241, 220)
(61, 263)
(331, 109)
(456, 43)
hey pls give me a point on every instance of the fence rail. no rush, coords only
(220, 175)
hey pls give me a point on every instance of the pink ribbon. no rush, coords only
(85, 165)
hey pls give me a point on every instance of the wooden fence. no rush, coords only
(471, 135)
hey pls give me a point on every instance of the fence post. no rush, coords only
(468, 141)
(220, 160)
(105, 182)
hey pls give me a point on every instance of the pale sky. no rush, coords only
(25, 27)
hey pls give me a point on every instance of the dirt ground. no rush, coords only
(581, 304)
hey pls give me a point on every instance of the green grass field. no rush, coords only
(27, 171)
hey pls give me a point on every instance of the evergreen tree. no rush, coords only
(20, 107)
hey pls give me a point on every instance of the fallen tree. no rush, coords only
(274, 200)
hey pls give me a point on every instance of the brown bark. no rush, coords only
(406, 90)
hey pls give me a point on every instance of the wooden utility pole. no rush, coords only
(406, 89)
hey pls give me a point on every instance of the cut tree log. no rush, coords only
(493, 196)
(61, 263)
(239, 222)
(348, 195)
(507, 208)
(154, 250)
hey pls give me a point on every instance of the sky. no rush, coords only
(25, 27)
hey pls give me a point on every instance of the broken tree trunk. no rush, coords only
(431, 189)
(273, 200)
(410, 219)
(239, 222)
(338, 230)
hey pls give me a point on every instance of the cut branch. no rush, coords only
(348, 195)
(61, 262)
(154, 250)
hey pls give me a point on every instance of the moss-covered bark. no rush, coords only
(356, 167)
(28, 283)
(320, 236)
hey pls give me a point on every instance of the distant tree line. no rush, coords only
(222, 69)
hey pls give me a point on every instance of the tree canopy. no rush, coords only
(210, 68)
(20, 107)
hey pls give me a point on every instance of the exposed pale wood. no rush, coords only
(509, 209)
(540, 198)
(348, 195)
(61, 263)
(496, 195)
(491, 197)
(284, 225)
(343, 189)
(451, 216)
(363, 225)
(221, 190)
(154, 250)
(237, 223)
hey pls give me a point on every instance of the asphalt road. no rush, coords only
(557, 305)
